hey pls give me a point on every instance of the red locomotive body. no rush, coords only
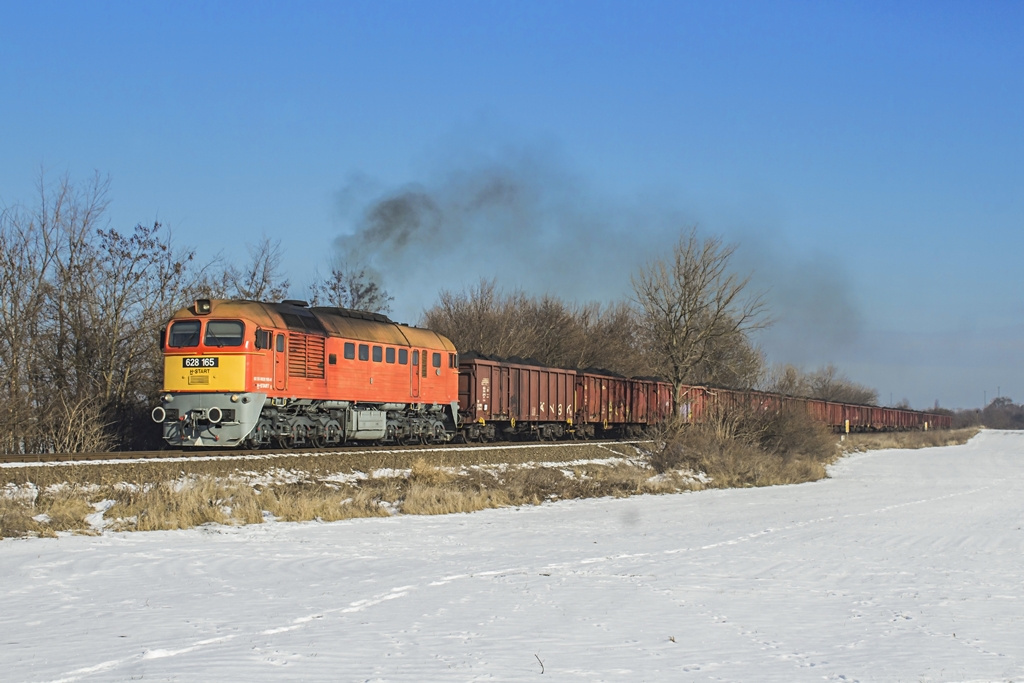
(257, 373)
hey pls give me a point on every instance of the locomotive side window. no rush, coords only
(436, 360)
(364, 352)
(378, 354)
(403, 356)
(350, 351)
(415, 357)
(280, 342)
(389, 355)
(263, 339)
(184, 333)
(224, 333)
(332, 359)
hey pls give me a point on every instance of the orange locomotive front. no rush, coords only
(255, 374)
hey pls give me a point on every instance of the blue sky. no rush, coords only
(866, 157)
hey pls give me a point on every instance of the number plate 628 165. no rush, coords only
(202, 362)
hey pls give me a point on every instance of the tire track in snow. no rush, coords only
(110, 665)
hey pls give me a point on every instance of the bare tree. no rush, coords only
(261, 278)
(79, 308)
(829, 384)
(484, 320)
(26, 253)
(350, 286)
(787, 379)
(545, 329)
(691, 307)
(826, 383)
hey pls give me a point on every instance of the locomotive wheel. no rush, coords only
(438, 436)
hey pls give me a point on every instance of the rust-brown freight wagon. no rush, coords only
(693, 403)
(503, 399)
(610, 404)
(604, 401)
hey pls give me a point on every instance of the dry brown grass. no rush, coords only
(755, 449)
(170, 505)
(875, 441)
(427, 499)
(35, 513)
(16, 520)
(301, 503)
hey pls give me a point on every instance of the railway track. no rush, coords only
(23, 459)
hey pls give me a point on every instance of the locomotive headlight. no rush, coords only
(168, 398)
(234, 398)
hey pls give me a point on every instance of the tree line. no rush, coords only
(688, 320)
(81, 305)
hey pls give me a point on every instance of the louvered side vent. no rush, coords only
(315, 357)
(297, 355)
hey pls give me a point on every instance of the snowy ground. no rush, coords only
(905, 566)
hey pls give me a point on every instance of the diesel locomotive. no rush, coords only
(248, 373)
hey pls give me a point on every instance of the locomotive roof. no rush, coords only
(320, 320)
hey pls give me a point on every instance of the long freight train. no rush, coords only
(247, 373)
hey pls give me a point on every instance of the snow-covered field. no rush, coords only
(905, 566)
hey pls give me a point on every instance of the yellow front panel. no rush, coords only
(228, 375)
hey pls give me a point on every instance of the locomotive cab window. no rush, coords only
(350, 351)
(435, 360)
(184, 334)
(403, 356)
(364, 352)
(224, 333)
(378, 354)
(280, 342)
(415, 357)
(389, 355)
